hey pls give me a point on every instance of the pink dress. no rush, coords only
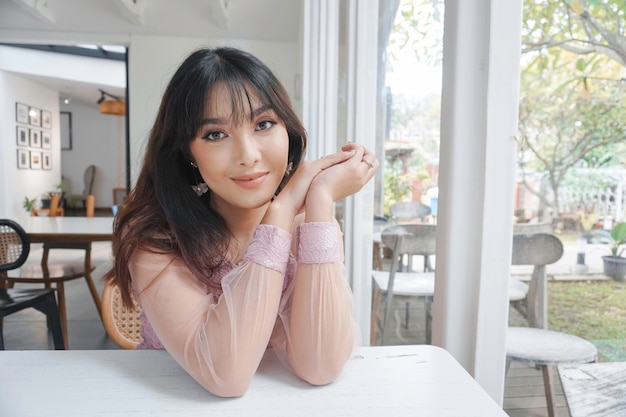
(301, 305)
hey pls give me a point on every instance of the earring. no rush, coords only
(201, 187)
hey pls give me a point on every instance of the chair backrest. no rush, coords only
(123, 324)
(88, 178)
(532, 228)
(14, 245)
(417, 239)
(55, 200)
(119, 194)
(410, 239)
(538, 249)
(407, 210)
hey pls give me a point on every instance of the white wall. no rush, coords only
(97, 139)
(152, 60)
(15, 184)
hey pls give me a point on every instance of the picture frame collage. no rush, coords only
(33, 137)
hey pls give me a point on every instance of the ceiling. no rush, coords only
(113, 21)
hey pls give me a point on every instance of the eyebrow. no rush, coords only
(220, 121)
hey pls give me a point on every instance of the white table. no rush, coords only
(67, 229)
(378, 381)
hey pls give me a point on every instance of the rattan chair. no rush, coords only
(57, 273)
(122, 324)
(14, 250)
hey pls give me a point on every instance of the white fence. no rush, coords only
(609, 204)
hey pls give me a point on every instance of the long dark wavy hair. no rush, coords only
(162, 214)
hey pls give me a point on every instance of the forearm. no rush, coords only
(219, 343)
(322, 331)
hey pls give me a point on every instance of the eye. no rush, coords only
(265, 125)
(214, 135)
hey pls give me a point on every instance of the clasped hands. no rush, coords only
(330, 178)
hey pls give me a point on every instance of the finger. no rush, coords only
(336, 158)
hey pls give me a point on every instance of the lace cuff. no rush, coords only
(269, 247)
(318, 242)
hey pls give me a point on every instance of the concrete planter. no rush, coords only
(614, 267)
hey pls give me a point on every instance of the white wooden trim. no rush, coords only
(477, 165)
(319, 101)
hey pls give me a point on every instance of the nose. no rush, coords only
(247, 151)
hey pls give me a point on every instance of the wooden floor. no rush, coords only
(26, 330)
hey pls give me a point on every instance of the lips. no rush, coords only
(250, 180)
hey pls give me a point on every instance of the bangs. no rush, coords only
(241, 93)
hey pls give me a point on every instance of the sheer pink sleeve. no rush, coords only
(219, 343)
(317, 332)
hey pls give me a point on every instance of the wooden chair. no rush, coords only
(410, 240)
(90, 205)
(536, 344)
(53, 211)
(57, 273)
(119, 194)
(88, 180)
(14, 250)
(122, 324)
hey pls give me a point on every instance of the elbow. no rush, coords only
(228, 387)
(228, 380)
(318, 372)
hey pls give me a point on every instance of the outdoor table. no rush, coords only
(595, 389)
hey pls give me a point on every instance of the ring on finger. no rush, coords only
(369, 163)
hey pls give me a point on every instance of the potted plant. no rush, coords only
(615, 264)
(29, 204)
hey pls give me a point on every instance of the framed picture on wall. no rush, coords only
(35, 160)
(46, 160)
(46, 139)
(35, 138)
(34, 116)
(23, 161)
(46, 119)
(21, 113)
(22, 136)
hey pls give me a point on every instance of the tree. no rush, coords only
(572, 100)
(581, 27)
(560, 130)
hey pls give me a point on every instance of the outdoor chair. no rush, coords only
(410, 240)
(14, 250)
(122, 324)
(536, 344)
(518, 289)
(56, 273)
(409, 211)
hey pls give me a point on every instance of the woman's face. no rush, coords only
(244, 163)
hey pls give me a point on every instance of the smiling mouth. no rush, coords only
(250, 180)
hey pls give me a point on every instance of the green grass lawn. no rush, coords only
(593, 310)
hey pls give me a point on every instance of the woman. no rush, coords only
(228, 240)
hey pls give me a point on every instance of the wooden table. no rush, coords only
(67, 229)
(378, 381)
(595, 389)
(64, 231)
